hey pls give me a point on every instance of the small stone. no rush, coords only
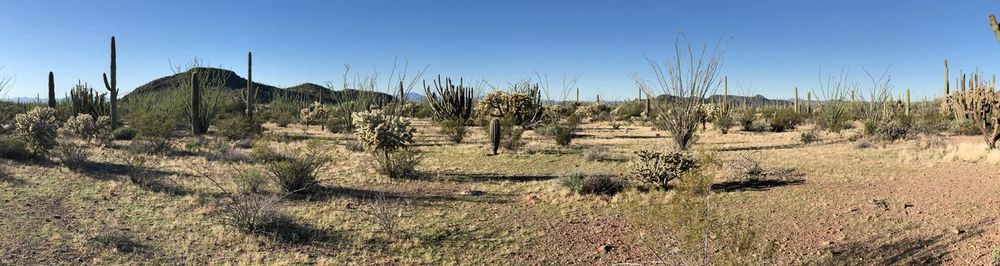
(956, 231)
(605, 248)
(473, 193)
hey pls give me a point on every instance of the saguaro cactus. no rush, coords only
(113, 85)
(495, 134)
(809, 108)
(249, 95)
(907, 102)
(946, 85)
(725, 95)
(796, 99)
(52, 90)
(198, 126)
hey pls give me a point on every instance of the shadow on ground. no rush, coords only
(417, 197)
(755, 184)
(931, 249)
(494, 178)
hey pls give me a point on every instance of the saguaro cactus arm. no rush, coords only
(995, 26)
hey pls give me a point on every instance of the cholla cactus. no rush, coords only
(523, 105)
(314, 114)
(382, 133)
(85, 126)
(659, 168)
(978, 100)
(38, 128)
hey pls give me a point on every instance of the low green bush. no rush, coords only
(13, 147)
(593, 184)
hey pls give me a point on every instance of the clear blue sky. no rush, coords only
(772, 45)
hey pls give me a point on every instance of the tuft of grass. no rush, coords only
(597, 153)
(297, 174)
(592, 184)
(399, 164)
(138, 169)
(382, 212)
(809, 137)
(71, 155)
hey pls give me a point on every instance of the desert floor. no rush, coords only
(901, 202)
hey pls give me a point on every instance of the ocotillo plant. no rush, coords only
(249, 95)
(495, 134)
(455, 102)
(198, 127)
(113, 85)
(52, 90)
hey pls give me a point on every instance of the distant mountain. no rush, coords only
(414, 97)
(27, 100)
(756, 100)
(234, 83)
(736, 100)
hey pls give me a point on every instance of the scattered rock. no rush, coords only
(956, 231)
(472, 193)
(605, 248)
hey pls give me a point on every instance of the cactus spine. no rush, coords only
(113, 85)
(249, 95)
(52, 90)
(197, 125)
(495, 134)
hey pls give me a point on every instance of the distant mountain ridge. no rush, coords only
(266, 93)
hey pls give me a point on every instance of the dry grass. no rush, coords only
(521, 217)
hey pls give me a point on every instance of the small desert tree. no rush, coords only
(685, 81)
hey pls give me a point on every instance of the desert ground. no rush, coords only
(834, 202)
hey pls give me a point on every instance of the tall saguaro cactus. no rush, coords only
(796, 99)
(113, 85)
(52, 90)
(198, 127)
(249, 95)
(725, 95)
